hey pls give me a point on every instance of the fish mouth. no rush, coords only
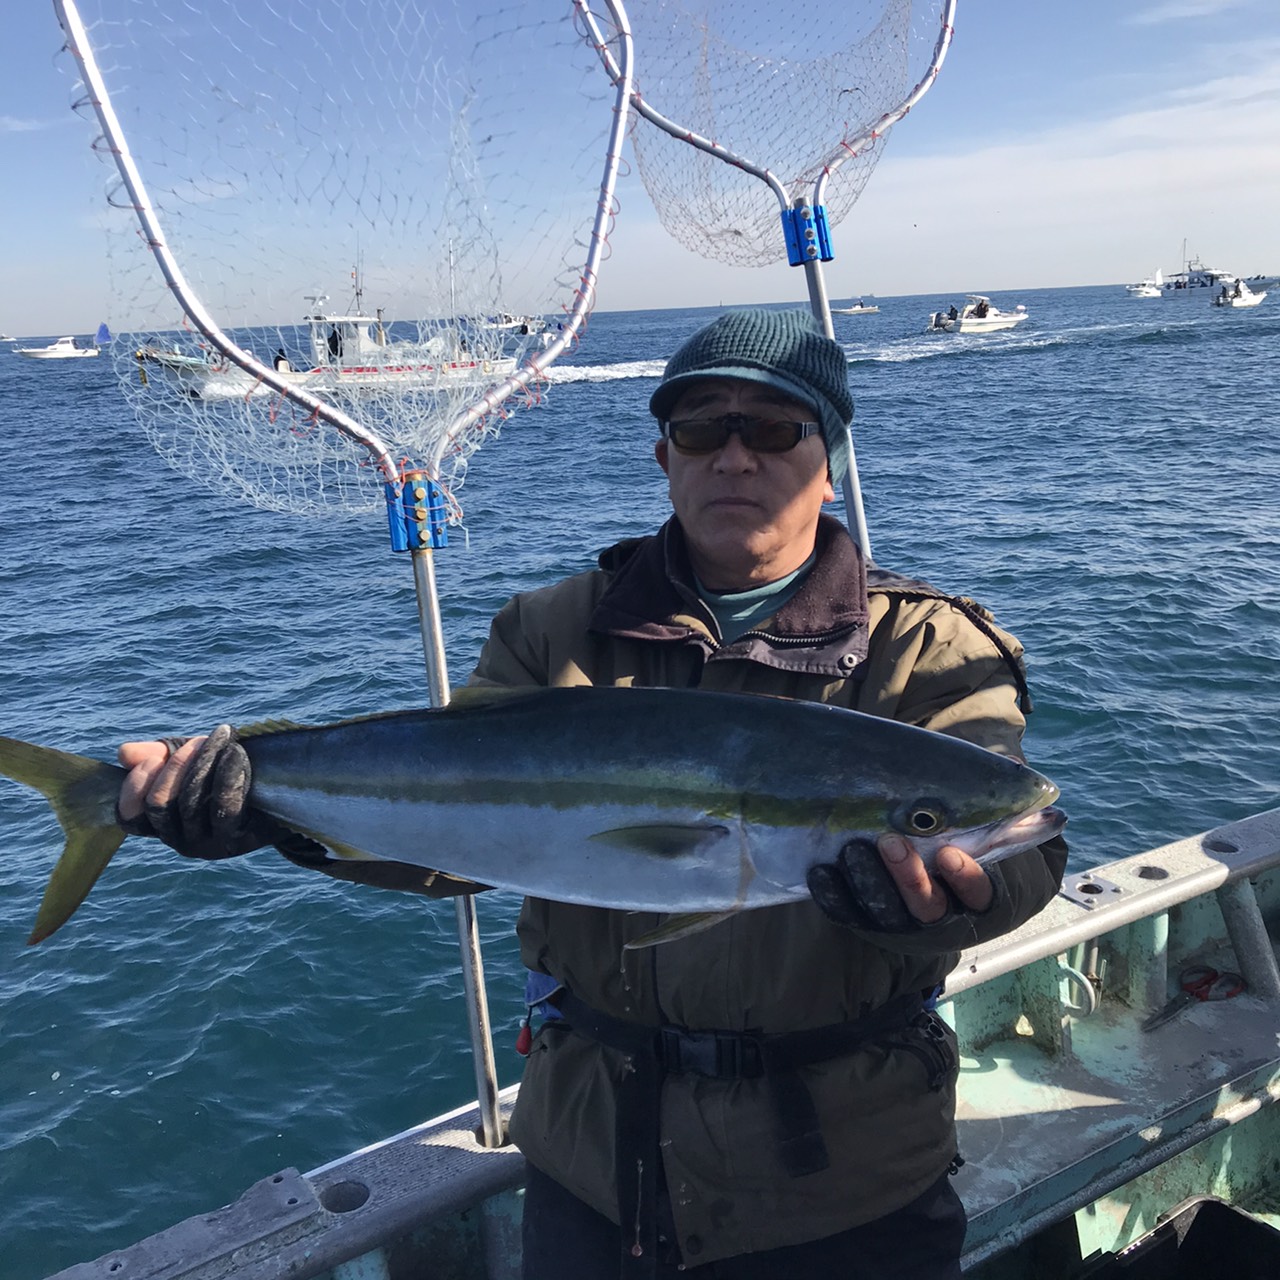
(1014, 835)
(1000, 839)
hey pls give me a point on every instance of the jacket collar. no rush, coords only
(821, 630)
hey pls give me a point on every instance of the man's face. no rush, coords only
(750, 518)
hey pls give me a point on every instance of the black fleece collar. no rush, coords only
(821, 630)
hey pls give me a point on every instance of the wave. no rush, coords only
(559, 373)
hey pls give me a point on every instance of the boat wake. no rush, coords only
(562, 373)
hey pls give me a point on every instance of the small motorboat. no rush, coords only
(858, 308)
(978, 315)
(1150, 288)
(1238, 295)
(63, 349)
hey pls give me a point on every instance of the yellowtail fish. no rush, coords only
(655, 800)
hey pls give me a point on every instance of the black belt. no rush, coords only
(656, 1052)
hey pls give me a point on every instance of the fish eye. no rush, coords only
(922, 818)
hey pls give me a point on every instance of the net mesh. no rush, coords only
(788, 87)
(389, 202)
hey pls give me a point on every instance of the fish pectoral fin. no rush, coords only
(82, 793)
(679, 926)
(665, 840)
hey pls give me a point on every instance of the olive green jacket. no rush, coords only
(889, 647)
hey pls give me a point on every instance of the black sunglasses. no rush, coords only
(760, 435)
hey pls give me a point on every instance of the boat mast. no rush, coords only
(453, 303)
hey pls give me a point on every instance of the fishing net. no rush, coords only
(801, 91)
(391, 206)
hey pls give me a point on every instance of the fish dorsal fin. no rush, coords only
(475, 697)
(664, 839)
(684, 925)
(263, 727)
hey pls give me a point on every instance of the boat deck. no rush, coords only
(1059, 1110)
(1078, 1129)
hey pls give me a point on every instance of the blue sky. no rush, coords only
(1062, 144)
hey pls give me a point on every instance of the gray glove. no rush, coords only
(856, 891)
(210, 817)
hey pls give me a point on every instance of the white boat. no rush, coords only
(1195, 277)
(978, 315)
(62, 349)
(1238, 295)
(504, 322)
(349, 355)
(1150, 288)
(858, 308)
(1090, 1142)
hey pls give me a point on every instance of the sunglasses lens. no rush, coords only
(699, 435)
(761, 435)
(766, 436)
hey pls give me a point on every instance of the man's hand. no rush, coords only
(924, 896)
(885, 887)
(194, 797)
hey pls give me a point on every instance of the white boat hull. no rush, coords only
(203, 381)
(991, 323)
(63, 349)
(1245, 300)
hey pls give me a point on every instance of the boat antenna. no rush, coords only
(826, 84)
(428, 150)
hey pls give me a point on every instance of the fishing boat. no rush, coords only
(505, 322)
(1115, 1107)
(63, 349)
(1238, 295)
(978, 315)
(348, 354)
(1149, 288)
(1195, 276)
(858, 308)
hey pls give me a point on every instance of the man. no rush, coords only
(771, 1096)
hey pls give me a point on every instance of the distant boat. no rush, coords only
(1151, 288)
(350, 354)
(1195, 276)
(978, 315)
(4, 337)
(507, 323)
(858, 308)
(63, 349)
(103, 337)
(1238, 295)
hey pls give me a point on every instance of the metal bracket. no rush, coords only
(807, 234)
(417, 515)
(1089, 891)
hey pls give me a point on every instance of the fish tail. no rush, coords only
(82, 793)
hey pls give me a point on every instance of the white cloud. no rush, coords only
(1177, 10)
(13, 124)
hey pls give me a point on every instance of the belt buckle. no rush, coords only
(691, 1051)
(717, 1055)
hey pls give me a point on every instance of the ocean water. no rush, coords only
(1106, 478)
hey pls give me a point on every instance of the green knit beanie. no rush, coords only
(785, 350)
